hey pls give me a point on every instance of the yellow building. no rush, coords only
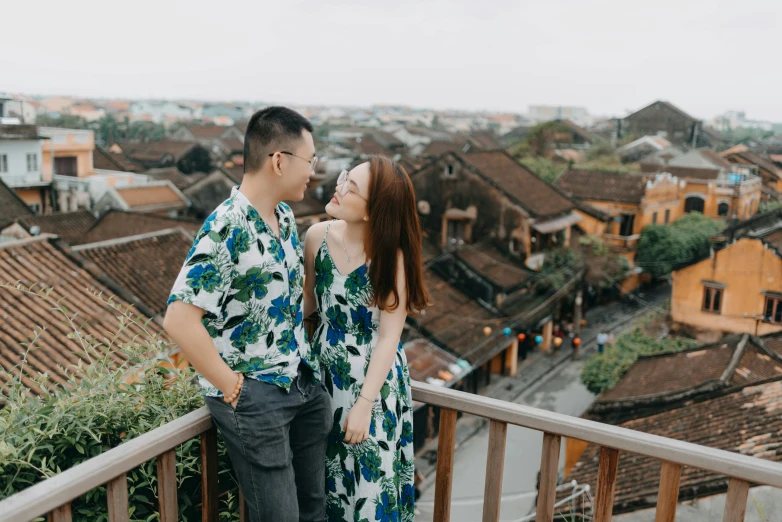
(739, 287)
(67, 152)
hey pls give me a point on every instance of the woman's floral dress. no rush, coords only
(372, 480)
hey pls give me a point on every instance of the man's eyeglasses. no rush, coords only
(343, 185)
(313, 162)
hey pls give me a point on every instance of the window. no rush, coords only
(667, 216)
(712, 299)
(626, 226)
(455, 232)
(723, 209)
(3, 162)
(773, 310)
(32, 162)
(449, 171)
(693, 204)
(35, 207)
(654, 218)
(66, 166)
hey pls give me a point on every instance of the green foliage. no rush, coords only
(544, 168)
(197, 160)
(602, 268)
(106, 405)
(603, 371)
(542, 137)
(608, 163)
(63, 121)
(662, 248)
(559, 267)
(765, 206)
(108, 130)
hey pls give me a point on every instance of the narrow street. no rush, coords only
(561, 392)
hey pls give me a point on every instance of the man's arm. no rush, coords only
(183, 324)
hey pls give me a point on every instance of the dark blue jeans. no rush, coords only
(277, 444)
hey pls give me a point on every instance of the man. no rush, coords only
(236, 313)
(602, 338)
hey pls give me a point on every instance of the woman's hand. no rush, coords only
(356, 426)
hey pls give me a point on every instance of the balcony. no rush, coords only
(53, 497)
(33, 179)
(622, 242)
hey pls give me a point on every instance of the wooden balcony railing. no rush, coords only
(53, 496)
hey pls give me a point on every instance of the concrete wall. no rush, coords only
(748, 269)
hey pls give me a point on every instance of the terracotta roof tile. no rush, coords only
(426, 360)
(117, 223)
(39, 261)
(149, 281)
(69, 226)
(539, 198)
(493, 266)
(206, 131)
(438, 148)
(142, 196)
(456, 321)
(105, 160)
(745, 421)
(603, 186)
(156, 149)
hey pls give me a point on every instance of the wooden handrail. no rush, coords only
(52, 497)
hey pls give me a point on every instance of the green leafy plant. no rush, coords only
(120, 391)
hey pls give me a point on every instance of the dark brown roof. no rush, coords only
(485, 140)
(233, 145)
(603, 186)
(69, 226)
(733, 361)
(426, 360)
(755, 159)
(11, 206)
(236, 173)
(580, 131)
(456, 321)
(309, 206)
(148, 281)
(744, 421)
(206, 131)
(156, 149)
(105, 160)
(766, 226)
(536, 196)
(207, 194)
(774, 342)
(117, 223)
(667, 105)
(438, 148)
(367, 145)
(172, 174)
(38, 261)
(493, 266)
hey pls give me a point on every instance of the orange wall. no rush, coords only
(590, 225)
(748, 268)
(31, 197)
(70, 146)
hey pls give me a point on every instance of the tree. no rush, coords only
(602, 267)
(544, 168)
(63, 121)
(663, 248)
(196, 160)
(542, 138)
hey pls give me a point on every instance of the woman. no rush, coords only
(363, 274)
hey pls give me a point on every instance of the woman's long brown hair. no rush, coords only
(393, 226)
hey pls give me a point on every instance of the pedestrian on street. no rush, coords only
(602, 339)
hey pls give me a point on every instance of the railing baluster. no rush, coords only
(209, 501)
(668, 495)
(117, 496)
(736, 501)
(242, 507)
(61, 514)
(547, 490)
(495, 465)
(446, 441)
(606, 482)
(166, 486)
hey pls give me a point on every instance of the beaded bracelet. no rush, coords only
(231, 398)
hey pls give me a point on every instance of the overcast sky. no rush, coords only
(610, 56)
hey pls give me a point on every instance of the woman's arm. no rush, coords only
(311, 244)
(381, 361)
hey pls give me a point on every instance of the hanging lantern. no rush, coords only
(538, 339)
(521, 337)
(576, 342)
(507, 332)
(487, 330)
(557, 342)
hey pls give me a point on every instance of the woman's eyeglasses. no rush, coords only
(343, 185)
(313, 162)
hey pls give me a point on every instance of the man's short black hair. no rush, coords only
(270, 130)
